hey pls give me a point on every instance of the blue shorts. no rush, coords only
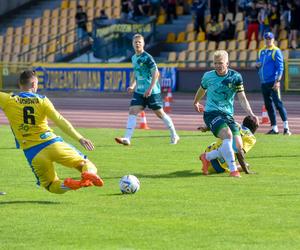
(154, 101)
(216, 120)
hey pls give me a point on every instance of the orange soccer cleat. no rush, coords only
(95, 179)
(205, 164)
(75, 184)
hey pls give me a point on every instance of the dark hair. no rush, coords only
(26, 77)
(250, 123)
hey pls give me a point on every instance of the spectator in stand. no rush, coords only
(285, 12)
(138, 10)
(230, 6)
(214, 32)
(263, 19)
(155, 7)
(228, 31)
(126, 9)
(81, 21)
(294, 22)
(215, 6)
(199, 7)
(252, 20)
(103, 15)
(274, 18)
(170, 6)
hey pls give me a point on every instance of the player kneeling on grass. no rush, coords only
(215, 162)
(27, 113)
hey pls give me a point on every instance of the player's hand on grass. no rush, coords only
(199, 107)
(87, 144)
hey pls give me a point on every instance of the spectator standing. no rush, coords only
(252, 20)
(155, 7)
(81, 21)
(263, 19)
(294, 6)
(126, 9)
(215, 6)
(171, 10)
(270, 65)
(274, 18)
(199, 7)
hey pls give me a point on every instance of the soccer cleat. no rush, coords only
(175, 139)
(123, 141)
(286, 131)
(95, 179)
(272, 132)
(235, 173)
(205, 164)
(75, 184)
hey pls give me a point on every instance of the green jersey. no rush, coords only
(143, 67)
(221, 90)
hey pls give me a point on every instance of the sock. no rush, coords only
(275, 128)
(214, 154)
(57, 187)
(286, 124)
(131, 123)
(89, 167)
(169, 124)
(228, 154)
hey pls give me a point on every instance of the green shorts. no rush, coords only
(216, 120)
(154, 101)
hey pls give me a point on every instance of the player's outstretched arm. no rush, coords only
(87, 144)
(244, 165)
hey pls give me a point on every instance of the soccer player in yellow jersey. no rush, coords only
(215, 162)
(27, 113)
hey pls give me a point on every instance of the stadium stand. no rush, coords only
(47, 32)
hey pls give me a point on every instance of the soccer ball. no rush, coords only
(129, 184)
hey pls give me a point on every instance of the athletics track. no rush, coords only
(110, 111)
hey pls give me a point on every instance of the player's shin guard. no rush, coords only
(228, 154)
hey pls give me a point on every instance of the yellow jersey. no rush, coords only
(27, 114)
(219, 165)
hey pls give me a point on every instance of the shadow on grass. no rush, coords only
(183, 174)
(29, 202)
(273, 156)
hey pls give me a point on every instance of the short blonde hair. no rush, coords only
(221, 54)
(138, 36)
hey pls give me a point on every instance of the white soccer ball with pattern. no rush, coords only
(129, 184)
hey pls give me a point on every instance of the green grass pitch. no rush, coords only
(175, 208)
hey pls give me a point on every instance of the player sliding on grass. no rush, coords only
(215, 162)
(27, 113)
(146, 91)
(221, 85)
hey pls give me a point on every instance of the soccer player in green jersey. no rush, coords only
(221, 85)
(146, 91)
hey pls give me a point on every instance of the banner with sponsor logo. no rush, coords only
(95, 77)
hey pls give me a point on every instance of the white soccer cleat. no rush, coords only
(175, 139)
(124, 141)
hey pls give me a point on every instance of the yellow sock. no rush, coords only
(57, 187)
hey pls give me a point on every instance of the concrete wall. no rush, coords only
(8, 5)
(188, 80)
